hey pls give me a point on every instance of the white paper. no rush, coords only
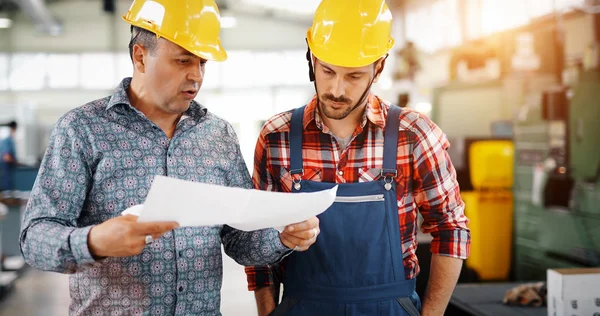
(201, 204)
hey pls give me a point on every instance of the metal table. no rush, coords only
(485, 299)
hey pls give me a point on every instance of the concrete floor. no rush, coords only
(47, 294)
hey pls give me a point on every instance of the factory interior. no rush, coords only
(513, 84)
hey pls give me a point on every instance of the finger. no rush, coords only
(291, 241)
(305, 234)
(291, 245)
(308, 224)
(158, 228)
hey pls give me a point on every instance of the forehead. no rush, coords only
(340, 69)
(172, 48)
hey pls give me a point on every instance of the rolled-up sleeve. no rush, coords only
(50, 238)
(437, 193)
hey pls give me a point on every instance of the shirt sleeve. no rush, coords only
(437, 193)
(50, 238)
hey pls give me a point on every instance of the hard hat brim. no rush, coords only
(214, 52)
(338, 58)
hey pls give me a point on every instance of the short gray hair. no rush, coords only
(142, 37)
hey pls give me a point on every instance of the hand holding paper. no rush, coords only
(201, 204)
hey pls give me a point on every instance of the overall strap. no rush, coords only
(296, 128)
(390, 145)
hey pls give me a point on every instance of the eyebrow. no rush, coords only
(355, 73)
(327, 68)
(188, 54)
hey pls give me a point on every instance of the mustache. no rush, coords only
(340, 99)
(191, 86)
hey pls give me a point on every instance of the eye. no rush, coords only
(183, 61)
(355, 77)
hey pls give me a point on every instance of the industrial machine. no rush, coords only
(557, 212)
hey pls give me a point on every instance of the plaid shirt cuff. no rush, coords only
(259, 277)
(452, 243)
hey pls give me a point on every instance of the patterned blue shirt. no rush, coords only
(101, 159)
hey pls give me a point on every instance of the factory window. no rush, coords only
(3, 72)
(295, 71)
(212, 75)
(103, 71)
(98, 71)
(27, 71)
(124, 66)
(267, 68)
(238, 70)
(63, 71)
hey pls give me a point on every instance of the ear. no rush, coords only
(138, 55)
(379, 68)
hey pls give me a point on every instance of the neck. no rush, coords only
(140, 99)
(346, 126)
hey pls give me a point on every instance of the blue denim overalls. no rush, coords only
(355, 267)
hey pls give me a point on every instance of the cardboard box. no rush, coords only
(574, 292)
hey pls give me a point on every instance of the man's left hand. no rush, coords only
(301, 236)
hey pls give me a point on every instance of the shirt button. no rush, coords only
(340, 172)
(181, 289)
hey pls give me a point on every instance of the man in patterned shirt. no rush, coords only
(102, 158)
(389, 164)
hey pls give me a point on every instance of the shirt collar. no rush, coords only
(120, 98)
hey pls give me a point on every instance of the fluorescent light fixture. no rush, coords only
(228, 22)
(5, 23)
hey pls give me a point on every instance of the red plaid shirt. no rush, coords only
(426, 179)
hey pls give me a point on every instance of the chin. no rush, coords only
(178, 108)
(335, 114)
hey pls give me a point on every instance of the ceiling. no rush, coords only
(283, 11)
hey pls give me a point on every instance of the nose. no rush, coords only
(338, 86)
(196, 73)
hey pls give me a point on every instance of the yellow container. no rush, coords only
(491, 163)
(491, 224)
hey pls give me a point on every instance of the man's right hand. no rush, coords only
(123, 236)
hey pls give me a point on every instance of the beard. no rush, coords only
(339, 113)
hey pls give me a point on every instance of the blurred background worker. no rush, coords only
(391, 164)
(8, 162)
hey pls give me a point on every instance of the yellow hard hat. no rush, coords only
(351, 33)
(191, 24)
